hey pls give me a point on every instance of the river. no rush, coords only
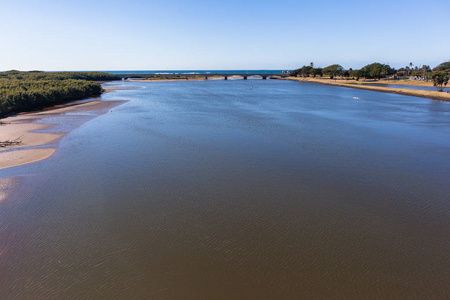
(238, 189)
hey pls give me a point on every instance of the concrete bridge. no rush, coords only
(245, 76)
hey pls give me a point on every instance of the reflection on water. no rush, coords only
(214, 190)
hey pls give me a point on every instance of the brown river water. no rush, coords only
(236, 190)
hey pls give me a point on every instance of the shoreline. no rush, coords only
(435, 95)
(39, 140)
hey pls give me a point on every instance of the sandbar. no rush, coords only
(351, 84)
(45, 128)
(15, 158)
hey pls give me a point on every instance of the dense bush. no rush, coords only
(440, 80)
(445, 66)
(39, 75)
(22, 91)
(375, 71)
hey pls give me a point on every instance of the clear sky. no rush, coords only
(199, 34)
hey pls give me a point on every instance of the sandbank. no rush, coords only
(10, 159)
(45, 128)
(360, 85)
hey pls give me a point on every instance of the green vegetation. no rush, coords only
(39, 75)
(445, 67)
(23, 91)
(440, 80)
(304, 71)
(316, 72)
(377, 71)
(333, 70)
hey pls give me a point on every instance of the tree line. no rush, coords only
(40, 75)
(24, 91)
(439, 74)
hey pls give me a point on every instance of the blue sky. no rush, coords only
(164, 35)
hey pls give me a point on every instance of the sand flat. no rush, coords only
(26, 132)
(25, 126)
(15, 158)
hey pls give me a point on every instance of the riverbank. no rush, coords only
(39, 132)
(366, 86)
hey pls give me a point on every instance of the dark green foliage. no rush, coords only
(440, 80)
(445, 66)
(39, 75)
(333, 70)
(316, 72)
(306, 71)
(297, 72)
(375, 70)
(22, 91)
(356, 74)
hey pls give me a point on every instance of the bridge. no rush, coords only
(225, 76)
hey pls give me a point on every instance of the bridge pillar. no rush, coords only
(206, 77)
(225, 77)
(264, 77)
(245, 77)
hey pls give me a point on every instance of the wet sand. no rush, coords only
(33, 135)
(360, 85)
